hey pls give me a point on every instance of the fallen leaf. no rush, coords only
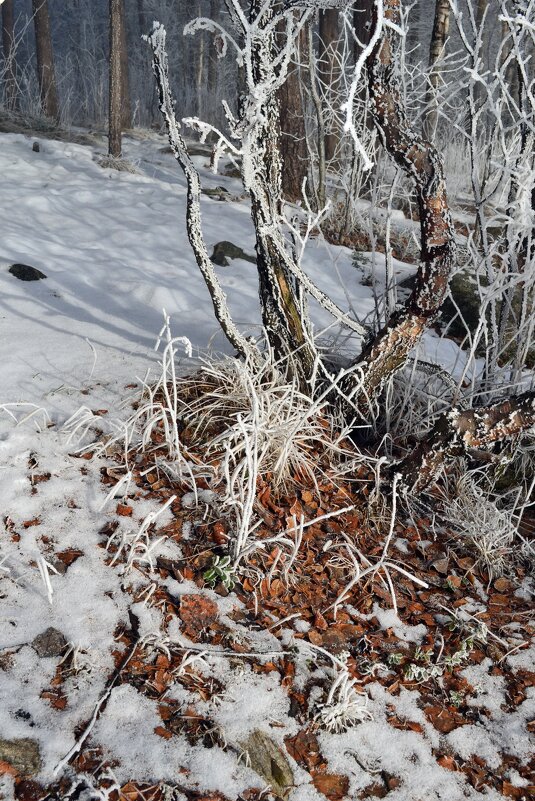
(304, 748)
(442, 719)
(124, 510)
(162, 732)
(332, 785)
(447, 762)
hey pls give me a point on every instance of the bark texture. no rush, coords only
(8, 47)
(115, 81)
(126, 105)
(293, 135)
(329, 72)
(462, 430)
(45, 59)
(282, 315)
(389, 350)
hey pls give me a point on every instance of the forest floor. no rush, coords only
(127, 670)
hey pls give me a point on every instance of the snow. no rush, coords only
(114, 249)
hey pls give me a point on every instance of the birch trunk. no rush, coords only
(441, 27)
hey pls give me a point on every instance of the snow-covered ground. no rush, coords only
(114, 249)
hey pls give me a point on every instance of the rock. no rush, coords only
(267, 759)
(36, 147)
(50, 643)
(217, 192)
(26, 273)
(224, 251)
(22, 755)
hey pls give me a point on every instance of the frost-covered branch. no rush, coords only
(160, 66)
(389, 350)
(462, 430)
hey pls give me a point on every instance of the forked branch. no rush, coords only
(389, 350)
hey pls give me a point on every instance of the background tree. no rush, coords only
(293, 146)
(8, 48)
(126, 106)
(329, 73)
(45, 59)
(439, 36)
(115, 79)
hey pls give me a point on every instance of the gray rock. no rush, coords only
(23, 755)
(50, 643)
(36, 147)
(217, 192)
(224, 251)
(267, 759)
(26, 273)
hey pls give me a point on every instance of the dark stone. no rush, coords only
(23, 755)
(50, 643)
(36, 147)
(26, 273)
(224, 251)
(217, 193)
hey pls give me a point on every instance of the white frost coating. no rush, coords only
(348, 106)
(388, 619)
(157, 42)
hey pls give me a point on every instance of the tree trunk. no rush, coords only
(390, 348)
(199, 68)
(45, 59)
(213, 60)
(115, 81)
(362, 18)
(293, 135)
(126, 106)
(283, 317)
(141, 22)
(441, 27)
(329, 73)
(8, 46)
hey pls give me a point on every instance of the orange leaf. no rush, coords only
(161, 732)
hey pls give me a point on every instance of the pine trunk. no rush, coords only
(329, 74)
(126, 106)
(460, 431)
(45, 60)
(8, 46)
(115, 81)
(293, 135)
(362, 17)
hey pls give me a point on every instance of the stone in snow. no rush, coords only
(50, 643)
(23, 755)
(26, 273)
